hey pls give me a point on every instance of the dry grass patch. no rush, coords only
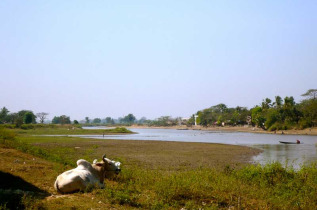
(176, 155)
(149, 154)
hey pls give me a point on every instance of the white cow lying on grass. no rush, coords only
(86, 175)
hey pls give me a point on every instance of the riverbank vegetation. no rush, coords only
(51, 129)
(270, 115)
(155, 175)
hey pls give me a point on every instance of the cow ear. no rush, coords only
(95, 161)
(99, 164)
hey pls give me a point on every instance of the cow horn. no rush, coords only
(103, 158)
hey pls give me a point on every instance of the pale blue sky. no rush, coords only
(153, 58)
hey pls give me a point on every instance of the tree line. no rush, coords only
(28, 117)
(127, 120)
(277, 114)
(19, 118)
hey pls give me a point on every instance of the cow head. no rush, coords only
(109, 167)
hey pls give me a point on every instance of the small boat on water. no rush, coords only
(289, 142)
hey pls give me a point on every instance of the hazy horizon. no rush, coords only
(152, 59)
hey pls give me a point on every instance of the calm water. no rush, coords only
(269, 143)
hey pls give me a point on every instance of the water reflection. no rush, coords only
(269, 143)
(294, 155)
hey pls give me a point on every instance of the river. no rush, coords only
(295, 155)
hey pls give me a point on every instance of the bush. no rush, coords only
(118, 130)
(10, 126)
(279, 126)
(27, 126)
(271, 118)
(267, 175)
(276, 126)
(304, 123)
(38, 126)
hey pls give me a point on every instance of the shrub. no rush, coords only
(10, 126)
(275, 126)
(118, 130)
(39, 125)
(271, 118)
(267, 175)
(27, 126)
(304, 123)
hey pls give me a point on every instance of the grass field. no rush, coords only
(155, 175)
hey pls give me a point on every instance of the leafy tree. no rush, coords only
(18, 121)
(272, 117)
(56, 120)
(221, 113)
(130, 118)
(96, 121)
(257, 116)
(278, 102)
(289, 111)
(220, 120)
(76, 122)
(266, 104)
(289, 102)
(63, 119)
(311, 93)
(242, 116)
(309, 110)
(12, 118)
(164, 121)
(109, 120)
(142, 120)
(23, 116)
(4, 115)
(28, 118)
(219, 108)
(234, 117)
(87, 120)
(206, 117)
(281, 114)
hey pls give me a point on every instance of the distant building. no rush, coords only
(184, 120)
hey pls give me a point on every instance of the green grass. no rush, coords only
(6, 134)
(68, 130)
(210, 188)
(271, 186)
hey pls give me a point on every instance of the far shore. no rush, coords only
(307, 131)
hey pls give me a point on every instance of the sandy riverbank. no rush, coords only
(307, 131)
